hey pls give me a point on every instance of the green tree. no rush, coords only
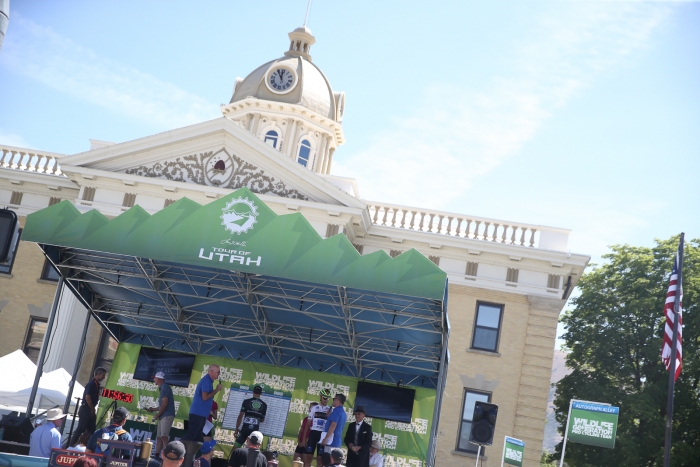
(614, 338)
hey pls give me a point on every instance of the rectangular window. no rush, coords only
(35, 337)
(49, 273)
(487, 326)
(465, 426)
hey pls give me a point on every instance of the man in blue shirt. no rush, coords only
(47, 436)
(201, 404)
(335, 423)
(114, 431)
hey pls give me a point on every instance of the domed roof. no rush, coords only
(311, 89)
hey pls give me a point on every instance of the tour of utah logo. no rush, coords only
(239, 215)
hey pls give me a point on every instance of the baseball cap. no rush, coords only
(120, 414)
(337, 454)
(208, 446)
(174, 450)
(160, 375)
(257, 389)
(255, 438)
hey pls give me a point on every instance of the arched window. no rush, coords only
(304, 152)
(271, 138)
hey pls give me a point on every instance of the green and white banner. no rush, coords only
(237, 232)
(592, 423)
(513, 450)
(403, 444)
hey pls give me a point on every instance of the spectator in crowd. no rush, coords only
(87, 412)
(82, 442)
(165, 412)
(173, 454)
(358, 439)
(337, 457)
(201, 404)
(85, 461)
(239, 457)
(115, 431)
(375, 459)
(326, 459)
(207, 450)
(47, 435)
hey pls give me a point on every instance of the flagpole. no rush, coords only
(673, 357)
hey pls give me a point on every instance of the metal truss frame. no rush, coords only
(359, 333)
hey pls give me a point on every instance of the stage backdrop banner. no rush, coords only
(404, 444)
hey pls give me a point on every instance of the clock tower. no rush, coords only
(290, 105)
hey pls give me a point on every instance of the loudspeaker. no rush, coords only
(17, 429)
(483, 423)
(8, 231)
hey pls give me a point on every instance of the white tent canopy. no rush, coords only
(16, 386)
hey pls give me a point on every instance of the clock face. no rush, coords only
(280, 80)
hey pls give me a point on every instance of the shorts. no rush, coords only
(313, 443)
(164, 425)
(300, 450)
(244, 432)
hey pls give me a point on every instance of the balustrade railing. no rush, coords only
(30, 160)
(471, 227)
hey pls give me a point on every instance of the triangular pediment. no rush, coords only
(217, 153)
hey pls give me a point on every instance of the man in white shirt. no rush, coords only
(47, 436)
(375, 459)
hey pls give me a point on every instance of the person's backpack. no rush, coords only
(113, 436)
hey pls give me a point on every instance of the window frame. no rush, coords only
(28, 334)
(45, 272)
(462, 420)
(308, 146)
(269, 136)
(498, 329)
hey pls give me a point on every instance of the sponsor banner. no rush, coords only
(513, 451)
(592, 423)
(64, 458)
(237, 232)
(403, 444)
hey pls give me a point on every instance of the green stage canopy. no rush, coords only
(237, 232)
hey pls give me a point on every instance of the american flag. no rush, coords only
(675, 286)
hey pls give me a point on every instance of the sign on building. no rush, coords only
(513, 450)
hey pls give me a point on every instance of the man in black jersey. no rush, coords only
(252, 414)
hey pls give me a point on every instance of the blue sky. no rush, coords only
(575, 114)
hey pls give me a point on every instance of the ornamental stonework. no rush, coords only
(219, 169)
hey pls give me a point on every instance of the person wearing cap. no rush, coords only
(239, 456)
(201, 404)
(173, 454)
(375, 459)
(114, 430)
(165, 412)
(207, 450)
(87, 413)
(47, 435)
(317, 415)
(358, 439)
(337, 457)
(253, 411)
(303, 435)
